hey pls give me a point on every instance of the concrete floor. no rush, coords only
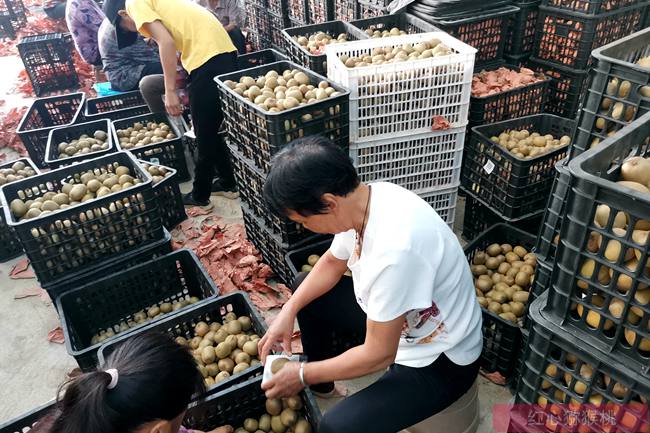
(32, 369)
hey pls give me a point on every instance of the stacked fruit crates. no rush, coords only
(12, 17)
(521, 32)
(407, 120)
(255, 135)
(619, 81)
(566, 34)
(589, 343)
(76, 234)
(266, 20)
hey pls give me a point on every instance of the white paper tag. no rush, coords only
(489, 167)
(267, 375)
(154, 160)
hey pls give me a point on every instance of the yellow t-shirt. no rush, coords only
(198, 34)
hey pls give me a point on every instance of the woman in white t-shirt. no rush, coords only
(411, 295)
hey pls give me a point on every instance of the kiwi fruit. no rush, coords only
(201, 329)
(276, 425)
(273, 406)
(265, 422)
(277, 364)
(251, 425)
(250, 347)
(288, 417)
(302, 426)
(226, 364)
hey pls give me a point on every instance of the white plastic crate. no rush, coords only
(397, 99)
(419, 162)
(444, 202)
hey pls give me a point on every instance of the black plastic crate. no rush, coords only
(566, 87)
(366, 9)
(244, 400)
(48, 62)
(16, 11)
(511, 104)
(600, 275)
(258, 21)
(519, 363)
(277, 23)
(319, 11)
(63, 243)
(112, 266)
(513, 187)
(486, 31)
(116, 298)
(541, 283)
(73, 132)
(554, 215)
(250, 183)
(501, 338)
(479, 217)
(27, 421)
(270, 246)
(315, 62)
(518, 61)
(10, 247)
(6, 28)
(565, 379)
(403, 21)
(297, 11)
(590, 7)
(260, 134)
(115, 107)
(259, 58)
(568, 38)
(521, 29)
(297, 257)
(170, 153)
(345, 10)
(615, 96)
(42, 116)
(183, 323)
(168, 194)
(276, 7)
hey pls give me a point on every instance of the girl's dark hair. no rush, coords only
(305, 170)
(156, 380)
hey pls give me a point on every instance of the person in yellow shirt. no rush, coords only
(206, 51)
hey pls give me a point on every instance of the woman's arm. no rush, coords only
(167, 50)
(326, 273)
(375, 354)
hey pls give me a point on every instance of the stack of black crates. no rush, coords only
(266, 20)
(567, 32)
(255, 136)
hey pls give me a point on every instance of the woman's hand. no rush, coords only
(279, 332)
(285, 382)
(173, 104)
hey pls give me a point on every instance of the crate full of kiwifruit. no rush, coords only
(74, 218)
(119, 304)
(246, 408)
(152, 137)
(69, 144)
(221, 333)
(12, 171)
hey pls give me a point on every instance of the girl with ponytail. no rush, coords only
(144, 387)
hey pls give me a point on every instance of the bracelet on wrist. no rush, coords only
(301, 374)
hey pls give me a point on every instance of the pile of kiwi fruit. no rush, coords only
(141, 134)
(16, 171)
(157, 172)
(83, 187)
(143, 316)
(374, 32)
(222, 350)
(275, 92)
(403, 53)
(282, 415)
(311, 262)
(83, 145)
(503, 275)
(635, 175)
(315, 43)
(583, 383)
(524, 144)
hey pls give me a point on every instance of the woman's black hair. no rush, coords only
(156, 380)
(305, 170)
